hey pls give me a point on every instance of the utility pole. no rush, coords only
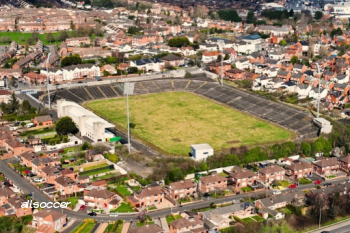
(48, 79)
(319, 221)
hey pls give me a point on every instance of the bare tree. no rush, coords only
(200, 12)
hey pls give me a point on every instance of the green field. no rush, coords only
(172, 121)
(18, 36)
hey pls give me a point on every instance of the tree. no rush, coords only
(65, 126)
(291, 13)
(179, 42)
(149, 11)
(169, 21)
(133, 70)
(318, 15)
(219, 58)
(335, 32)
(148, 21)
(282, 42)
(226, 57)
(306, 148)
(229, 14)
(101, 148)
(200, 12)
(62, 36)
(13, 103)
(251, 17)
(141, 216)
(50, 37)
(294, 60)
(85, 146)
(71, 60)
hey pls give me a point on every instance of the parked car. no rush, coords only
(80, 81)
(275, 192)
(206, 195)
(327, 184)
(280, 187)
(113, 214)
(292, 186)
(38, 179)
(317, 182)
(92, 214)
(254, 186)
(82, 207)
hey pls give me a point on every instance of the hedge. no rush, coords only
(86, 221)
(97, 169)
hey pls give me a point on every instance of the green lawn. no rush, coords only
(304, 181)
(171, 218)
(108, 228)
(140, 224)
(88, 228)
(284, 183)
(258, 218)
(247, 189)
(76, 229)
(91, 173)
(248, 220)
(73, 200)
(38, 131)
(119, 228)
(123, 208)
(16, 36)
(88, 168)
(123, 190)
(172, 121)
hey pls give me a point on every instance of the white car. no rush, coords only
(38, 179)
(275, 192)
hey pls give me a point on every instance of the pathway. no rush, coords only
(102, 228)
(126, 227)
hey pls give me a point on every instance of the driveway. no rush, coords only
(70, 229)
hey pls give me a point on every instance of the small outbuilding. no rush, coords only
(201, 151)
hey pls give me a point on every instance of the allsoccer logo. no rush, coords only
(49, 205)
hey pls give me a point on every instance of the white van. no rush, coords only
(30, 125)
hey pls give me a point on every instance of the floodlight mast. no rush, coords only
(319, 84)
(48, 79)
(128, 90)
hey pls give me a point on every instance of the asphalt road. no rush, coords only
(28, 188)
(343, 227)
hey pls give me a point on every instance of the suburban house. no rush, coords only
(69, 73)
(243, 178)
(40, 162)
(15, 147)
(150, 64)
(49, 174)
(153, 228)
(27, 157)
(234, 74)
(77, 41)
(43, 120)
(181, 189)
(189, 224)
(16, 204)
(48, 221)
(32, 78)
(208, 57)
(299, 170)
(271, 173)
(147, 197)
(5, 194)
(211, 183)
(99, 198)
(220, 217)
(65, 185)
(279, 201)
(173, 60)
(345, 163)
(5, 96)
(325, 165)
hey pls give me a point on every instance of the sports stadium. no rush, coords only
(171, 114)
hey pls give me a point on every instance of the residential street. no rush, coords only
(28, 188)
(343, 227)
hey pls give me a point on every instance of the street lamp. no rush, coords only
(48, 80)
(319, 84)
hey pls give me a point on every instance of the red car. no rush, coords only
(317, 182)
(82, 207)
(292, 186)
